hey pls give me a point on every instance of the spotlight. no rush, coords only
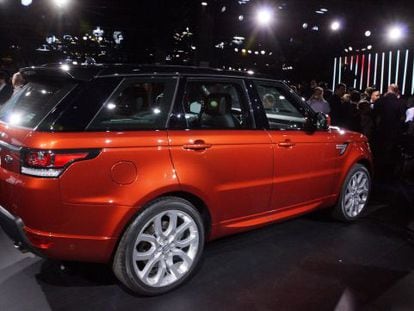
(395, 33)
(369, 47)
(204, 3)
(305, 25)
(367, 33)
(26, 2)
(264, 16)
(335, 25)
(61, 3)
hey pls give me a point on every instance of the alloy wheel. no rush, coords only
(356, 194)
(165, 248)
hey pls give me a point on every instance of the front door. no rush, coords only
(305, 161)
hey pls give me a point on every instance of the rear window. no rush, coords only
(138, 104)
(28, 107)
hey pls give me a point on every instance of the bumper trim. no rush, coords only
(13, 227)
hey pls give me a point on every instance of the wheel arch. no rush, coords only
(195, 200)
(368, 164)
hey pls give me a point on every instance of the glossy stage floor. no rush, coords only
(309, 263)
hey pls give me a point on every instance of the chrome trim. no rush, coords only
(9, 146)
(342, 148)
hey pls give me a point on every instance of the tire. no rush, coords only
(354, 195)
(161, 248)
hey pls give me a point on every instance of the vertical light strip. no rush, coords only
(369, 69)
(389, 67)
(340, 70)
(412, 82)
(397, 67)
(375, 70)
(356, 71)
(352, 63)
(405, 72)
(346, 60)
(362, 72)
(334, 76)
(382, 72)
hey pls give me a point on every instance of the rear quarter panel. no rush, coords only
(96, 200)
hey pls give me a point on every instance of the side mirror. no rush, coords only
(310, 124)
(323, 121)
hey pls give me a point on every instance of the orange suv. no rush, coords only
(138, 166)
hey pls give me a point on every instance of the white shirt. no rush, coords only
(409, 115)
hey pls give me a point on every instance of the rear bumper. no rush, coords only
(13, 227)
(56, 246)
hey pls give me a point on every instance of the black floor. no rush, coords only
(310, 263)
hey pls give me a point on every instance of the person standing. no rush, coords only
(338, 116)
(6, 90)
(389, 113)
(317, 102)
(366, 112)
(18, 82)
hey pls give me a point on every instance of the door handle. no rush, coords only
(286, 144)
(197, 145)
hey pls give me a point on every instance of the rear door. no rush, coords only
(217, 151)
(305, 162)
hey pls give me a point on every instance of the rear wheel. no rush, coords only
(161, 248)
(354, 194)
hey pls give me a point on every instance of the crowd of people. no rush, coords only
(386, 119)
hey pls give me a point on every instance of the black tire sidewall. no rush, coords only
(157, 207)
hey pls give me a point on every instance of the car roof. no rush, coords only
(88, 72)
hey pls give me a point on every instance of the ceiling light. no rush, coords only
(264, 16)
(336, 25)
(395, 33)
(26, 2)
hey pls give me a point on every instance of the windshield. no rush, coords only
(29, 106)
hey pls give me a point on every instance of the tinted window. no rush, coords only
(281, 109)
(34, 102)
(137, 104)
(77, 109)
(215, 105)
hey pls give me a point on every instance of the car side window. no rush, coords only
(138, 104)
(215, 105)
(280, 108)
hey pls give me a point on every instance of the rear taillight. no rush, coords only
(51, 163)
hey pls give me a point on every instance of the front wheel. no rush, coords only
(161, 248)
(354, 194)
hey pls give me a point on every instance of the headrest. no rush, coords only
(218, 104)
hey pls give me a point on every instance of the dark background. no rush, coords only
(149, 28)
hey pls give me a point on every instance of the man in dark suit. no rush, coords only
(389, 113)
(338, 109)
(6, 90)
